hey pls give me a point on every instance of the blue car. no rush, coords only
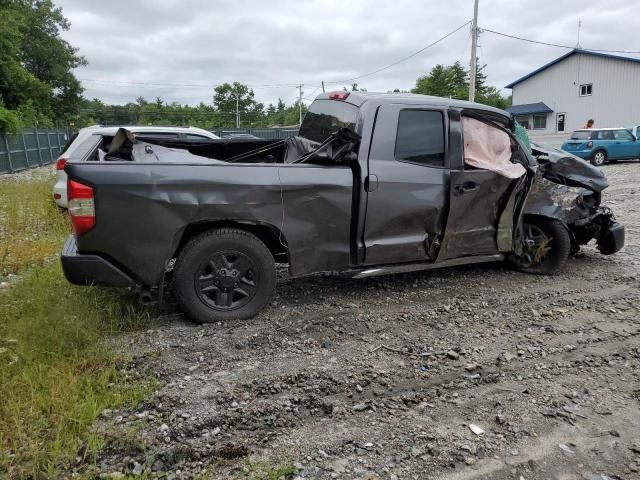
(601, 145)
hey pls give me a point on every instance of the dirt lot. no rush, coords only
(383, 378)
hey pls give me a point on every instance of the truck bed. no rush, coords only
(306, 207)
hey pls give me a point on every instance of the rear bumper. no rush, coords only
(89, 269)
(60, 194)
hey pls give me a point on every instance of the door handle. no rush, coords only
(371, 183)
(465, 187)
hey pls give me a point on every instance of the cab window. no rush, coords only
(420, 137)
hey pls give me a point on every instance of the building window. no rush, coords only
(523, 120)
(540, 121)
(586, 89)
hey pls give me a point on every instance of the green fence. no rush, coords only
(31, 148)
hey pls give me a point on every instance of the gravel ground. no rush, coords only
(468, 373)
(45, 172)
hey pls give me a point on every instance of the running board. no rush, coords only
(415, 267)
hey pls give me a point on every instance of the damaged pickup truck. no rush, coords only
(374, 184)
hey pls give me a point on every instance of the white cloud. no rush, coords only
(289, 42)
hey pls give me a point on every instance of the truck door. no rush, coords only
(406, 184)
(477, 199)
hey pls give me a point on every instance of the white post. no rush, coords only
(474, 46)
(237, 110)
(300, 104)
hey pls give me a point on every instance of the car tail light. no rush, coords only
(338, 95)
(60, 163)
(81, 207)
(589, 144)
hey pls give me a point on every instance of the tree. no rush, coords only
(36, 63)
(453, 82)
(443, 81)
(492, 96)
(227, 97)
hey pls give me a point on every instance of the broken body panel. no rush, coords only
(352, 204)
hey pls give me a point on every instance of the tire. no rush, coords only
(599, 158)
(551, 249)
(224, 274)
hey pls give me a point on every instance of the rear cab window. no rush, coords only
(420, 137)
(326, 117)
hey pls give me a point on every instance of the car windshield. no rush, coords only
(581, 135)
(326, 117)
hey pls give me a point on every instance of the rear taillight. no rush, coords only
(589, 144)
(338, 95)
(60, 163)
(81, 207)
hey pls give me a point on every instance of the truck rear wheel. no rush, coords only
(549, 246)
(224, 274)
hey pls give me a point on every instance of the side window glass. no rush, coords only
(193, 136)
(421, 137)
(606, 135)
(167, 135)
(622, 135)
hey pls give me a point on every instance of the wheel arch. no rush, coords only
(269, 234)
(559, 219)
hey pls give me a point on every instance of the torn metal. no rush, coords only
(569, 189)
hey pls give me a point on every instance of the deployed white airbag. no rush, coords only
(488, 148)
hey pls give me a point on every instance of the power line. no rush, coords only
(310, 96)
(404, 58)
(282, 85)
(515, 37)
(176, 85)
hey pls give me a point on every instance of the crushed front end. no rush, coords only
(568, 189)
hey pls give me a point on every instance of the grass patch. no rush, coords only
(265, 470)
(31, 225)
(57, 372)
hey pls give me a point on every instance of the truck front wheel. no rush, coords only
(548, 246)
(224, 274)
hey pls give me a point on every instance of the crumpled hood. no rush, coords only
(567, 169)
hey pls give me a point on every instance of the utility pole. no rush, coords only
(237, 110)
(323, 86)
(474, 46)
(300, 103)
(579, 27)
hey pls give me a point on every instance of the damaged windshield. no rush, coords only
(326, 117)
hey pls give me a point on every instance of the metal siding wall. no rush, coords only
(616, 92)
(29, 149)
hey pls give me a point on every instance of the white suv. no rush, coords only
(60, 188)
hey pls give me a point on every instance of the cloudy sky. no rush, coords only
(180, 49)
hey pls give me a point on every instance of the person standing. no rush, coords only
(589, 123)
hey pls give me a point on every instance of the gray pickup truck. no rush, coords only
(374, 184)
